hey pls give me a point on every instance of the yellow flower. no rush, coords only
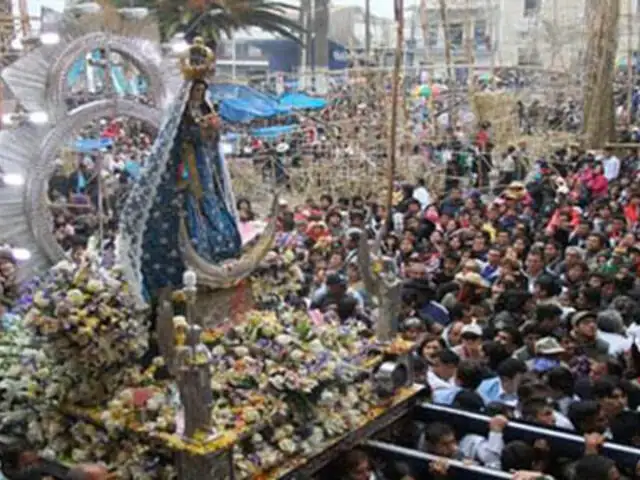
(76, 297)
(179, 296)
(92, 322)
(40, 300)
(377, 267)
(94, 286)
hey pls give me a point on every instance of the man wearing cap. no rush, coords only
(471, 346)
(585, 332)
(548, 350)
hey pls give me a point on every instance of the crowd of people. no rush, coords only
(525, 304)
(88, 188)
(524, 297)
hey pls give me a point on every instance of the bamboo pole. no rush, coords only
(492, 52)
(394, 102)
(630, 66)
(447, 56)
(470, 44)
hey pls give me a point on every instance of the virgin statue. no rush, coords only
(185, 184)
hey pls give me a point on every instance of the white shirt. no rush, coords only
(437, 383)
(508, 164)
(611, 167)
(422, 195)
(617, 343)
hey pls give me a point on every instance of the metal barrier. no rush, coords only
(569, 444)
(419, 462)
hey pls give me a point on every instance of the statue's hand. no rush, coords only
(210, 122)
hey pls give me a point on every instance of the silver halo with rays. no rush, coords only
(25, 216)
(40, 72)
(129, 48)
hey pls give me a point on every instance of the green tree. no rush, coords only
(211, 19)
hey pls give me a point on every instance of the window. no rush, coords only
(254, 52)
(480, 32)
(528, 57)
(432, 34)
(456, 35)
(531, 7)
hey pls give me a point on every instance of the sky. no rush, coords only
(383, 8)
(378, 7)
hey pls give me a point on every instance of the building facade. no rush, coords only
(553, 33)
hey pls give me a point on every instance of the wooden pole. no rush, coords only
(399, 4)
(491, 43)
(470, 45)
(602, 45)
(631, 70)
(447, 56)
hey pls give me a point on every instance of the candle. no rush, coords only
(189, 279)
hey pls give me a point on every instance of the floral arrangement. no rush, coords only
(78, 342)
(283, 385)
(280, 382)
(70, 440)
(91, 331)
(277, 279)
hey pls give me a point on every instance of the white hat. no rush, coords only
(282, 147)
(472, 328)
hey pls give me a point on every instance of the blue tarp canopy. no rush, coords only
(242, 110)
(239, 103)
(273, 132)
(88, 145)
(300, 101)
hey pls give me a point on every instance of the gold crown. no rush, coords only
(199, 61)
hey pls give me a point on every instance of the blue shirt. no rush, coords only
(445, 396)
(491, 391)
(434, 311)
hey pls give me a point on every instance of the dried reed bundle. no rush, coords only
(499, 109)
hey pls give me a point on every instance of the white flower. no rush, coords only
(283, 339)
(297, 355)
(287, 446)
(218, 351)
(241, 352)
(316, 346)
(327, 398)
(64, 267)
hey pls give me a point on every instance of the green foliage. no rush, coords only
(213, 18)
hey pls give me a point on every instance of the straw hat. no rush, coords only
(472, 278)
(548, 346)
(515, 191)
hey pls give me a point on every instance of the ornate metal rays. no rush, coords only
(37, 80)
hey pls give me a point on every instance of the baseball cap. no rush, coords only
(583, 315)
(471, 330)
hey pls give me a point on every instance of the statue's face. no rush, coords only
(197, 92)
